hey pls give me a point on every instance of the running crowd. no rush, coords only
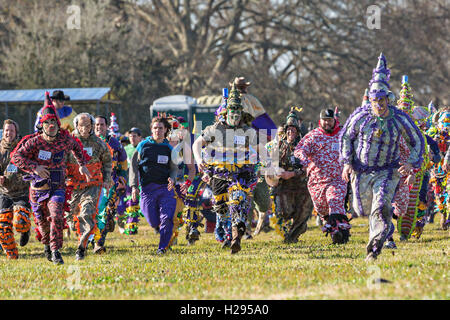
(389, 161)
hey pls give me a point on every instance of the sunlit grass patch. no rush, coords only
(266, 268)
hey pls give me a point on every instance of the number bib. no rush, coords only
(11, 168)
(163, 159)
(44, 155)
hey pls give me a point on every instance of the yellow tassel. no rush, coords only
(422, 206)
(221, 197)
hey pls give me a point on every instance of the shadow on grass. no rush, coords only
(348, 255)
(427, 240)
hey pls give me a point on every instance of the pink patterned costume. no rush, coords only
(318, 151)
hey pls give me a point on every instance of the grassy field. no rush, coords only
(265, 269)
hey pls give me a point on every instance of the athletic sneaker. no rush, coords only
(161, 251)
(79, 255)
(390, 245)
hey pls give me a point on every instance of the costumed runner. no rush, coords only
(417, 202)
(109, 201)
(85, 194)
(290, 192)
(264, 125)
(43, 156)
(15, 209)
(65, 113)
(440, 132)
(421, 115)
(189, 185)
(431, 207)
(318, 152)
(369, 150)
(131, 208)
(229, 164)
(272, 180)
(223, 223)
(154, 171)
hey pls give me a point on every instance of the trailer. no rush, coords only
(191, 109)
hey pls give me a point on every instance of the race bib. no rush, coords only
(88, 151)
(335, 147)
(163, 159)
(11, 168)
(239, 140)
(44, 155)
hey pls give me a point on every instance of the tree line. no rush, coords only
(305, 53)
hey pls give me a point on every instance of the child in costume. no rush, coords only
(131, 209)
(189, 186)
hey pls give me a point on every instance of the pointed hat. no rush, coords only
(405, 103)
(49, 110)
(379, 86)
(234, 100)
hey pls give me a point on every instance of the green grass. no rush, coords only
(265, 269)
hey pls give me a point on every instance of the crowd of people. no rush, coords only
(389, 161)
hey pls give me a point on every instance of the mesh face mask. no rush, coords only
(234, 116)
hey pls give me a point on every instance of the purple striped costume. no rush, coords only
(370, 144)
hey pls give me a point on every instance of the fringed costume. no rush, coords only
(370, 145)
(231, 165)
(109, 201)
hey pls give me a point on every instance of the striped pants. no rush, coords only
(13, 213)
